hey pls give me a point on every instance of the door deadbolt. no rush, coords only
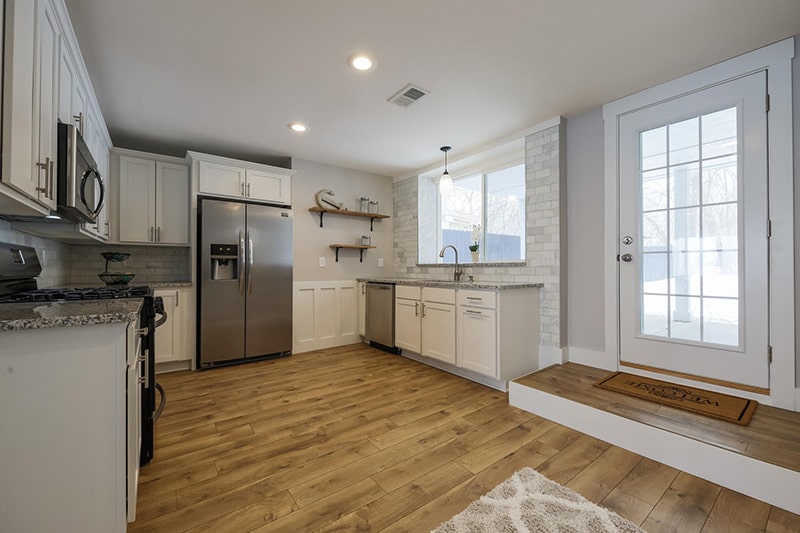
(627, 239)
(627, 258)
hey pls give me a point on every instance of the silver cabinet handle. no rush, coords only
(241, 186)
(474, 298)
(250, 260)
(51, 172)
(416, 308)
(46, 167)
(248, 190)
(152, 231)
(108, 229)
(470, 311)
(158, 233)
(177, 298)
(143, 331)
(241, 263)
(423, 309)
(79, 119)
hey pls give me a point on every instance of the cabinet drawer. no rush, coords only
(472, 298)
(407, 291)
(445, 296)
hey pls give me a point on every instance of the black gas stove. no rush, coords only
(109, 292)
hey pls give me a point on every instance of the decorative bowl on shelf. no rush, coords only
(115, 256)
(116, 278)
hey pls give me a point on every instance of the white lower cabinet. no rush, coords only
(425, 321)
(171, 336)
(477, 340)
(67, 459)
(489, 336)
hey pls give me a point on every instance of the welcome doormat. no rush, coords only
(700, 401)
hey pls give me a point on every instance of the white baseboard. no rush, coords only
(593, 358)
(496, 384)
(550, 355)
(797, 400)
(772, 484)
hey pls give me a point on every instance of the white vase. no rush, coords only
(475, 256)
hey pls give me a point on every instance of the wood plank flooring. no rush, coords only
(354, 439)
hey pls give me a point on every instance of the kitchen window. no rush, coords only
(486, 207)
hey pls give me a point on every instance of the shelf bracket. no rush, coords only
(361, 255)
(371, 222)
(337, 249)
(320, 220)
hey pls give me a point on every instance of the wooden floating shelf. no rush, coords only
(360, 247)
(344, 212)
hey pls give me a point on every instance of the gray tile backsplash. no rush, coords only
(149, 263)
(71, 264)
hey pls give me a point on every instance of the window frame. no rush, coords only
(483, 170)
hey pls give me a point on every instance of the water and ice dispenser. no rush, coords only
(224, 261)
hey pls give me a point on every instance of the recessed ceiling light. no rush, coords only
(298, 127)
(360, 62)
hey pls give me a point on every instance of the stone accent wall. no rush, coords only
(545, 236)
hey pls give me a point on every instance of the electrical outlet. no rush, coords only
(380, 262)
(321, 261)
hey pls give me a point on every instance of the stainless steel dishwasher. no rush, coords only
(380, 315)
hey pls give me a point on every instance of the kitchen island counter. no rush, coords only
(42, 315)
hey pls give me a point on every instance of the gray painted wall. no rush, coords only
(585, 272)
(312, 242)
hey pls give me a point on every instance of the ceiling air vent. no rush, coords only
(408, 95)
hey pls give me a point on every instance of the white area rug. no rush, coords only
(528, 501)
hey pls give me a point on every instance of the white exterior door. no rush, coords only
(693, 242)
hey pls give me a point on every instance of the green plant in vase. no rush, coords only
(473, 248)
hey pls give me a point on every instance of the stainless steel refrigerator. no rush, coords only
(245, 282)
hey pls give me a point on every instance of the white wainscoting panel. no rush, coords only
(325, 315)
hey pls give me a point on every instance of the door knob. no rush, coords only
(627, 258)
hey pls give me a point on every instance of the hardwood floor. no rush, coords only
(354, 439)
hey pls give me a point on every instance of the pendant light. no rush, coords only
(445, 182)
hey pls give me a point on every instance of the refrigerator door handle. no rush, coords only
(241, 262)
(250, 259)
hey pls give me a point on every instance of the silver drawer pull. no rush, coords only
(473, 312)
(474, 298)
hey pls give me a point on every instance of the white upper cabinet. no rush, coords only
(153, 201)
(231, 178)
(44, 81)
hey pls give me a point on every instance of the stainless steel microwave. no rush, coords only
(81, 190)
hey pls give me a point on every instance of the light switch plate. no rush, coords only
(380, 262)
(322, 260)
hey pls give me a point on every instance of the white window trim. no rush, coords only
(776, 59)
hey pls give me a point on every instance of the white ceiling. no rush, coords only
(226, 76)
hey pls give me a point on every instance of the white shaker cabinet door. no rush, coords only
(477, 340)
(268, 187)
(172, 203)
(407, 324)
(137, 207)
(221, 180)
(439, 331)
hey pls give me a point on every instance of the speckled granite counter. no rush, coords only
(168, 284)
(40, 315)
(491, 285)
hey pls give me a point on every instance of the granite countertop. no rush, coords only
(41, 315)
(492, 285)
(168, 284)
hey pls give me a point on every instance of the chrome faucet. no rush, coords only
(457, 272)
